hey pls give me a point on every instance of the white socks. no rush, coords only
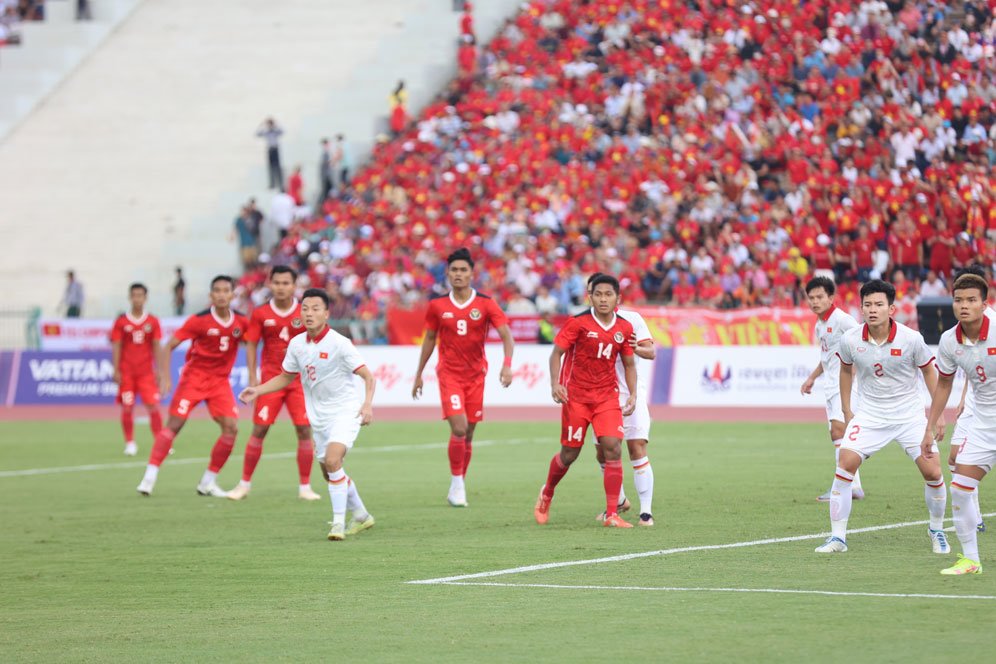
(975, 496)
(840, 503)
(354, 504)
(643, 478)
(339, 495)
(936, 498)
(456, 483)
(151, 473)
(208, 477)
(966, 515)
(856, 484)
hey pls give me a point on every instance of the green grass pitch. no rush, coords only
(93, 572)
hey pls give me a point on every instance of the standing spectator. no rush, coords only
(863, 254)
(324, 172)
(342, 161)
(72, 300)
(467, 20)
(83, 10)
(270, 132)
(545, 302)
(179, 293)
(295, 186)
(242, 232)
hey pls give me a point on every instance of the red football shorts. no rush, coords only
(462, 398)
(605, 419)
(195, 388)
(141, 385)
(269, 405)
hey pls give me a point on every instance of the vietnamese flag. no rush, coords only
(897, 352)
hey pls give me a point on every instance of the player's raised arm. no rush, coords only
(428, 345)
(370, 385)
(508, 346)
(275, 384)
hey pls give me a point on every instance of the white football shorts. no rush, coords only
(867, 439)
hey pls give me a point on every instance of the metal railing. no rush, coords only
(19, 328)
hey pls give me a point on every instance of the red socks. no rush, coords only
(254, 449)
(155, 421)
(612, 480)
(557, 472)
(220, 452)
(160, 448)
(459, 455)
(467, 451)
(305, 458)
(128, 424)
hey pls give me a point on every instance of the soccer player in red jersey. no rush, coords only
(275, 324)
(461, 321)
(134, 346)
(588, 389)
(215, 335)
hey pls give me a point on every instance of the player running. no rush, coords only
(970, 346)
(215, 335)
(588, 389)
(886, 356)
(460, 321)
(966, 408)
(275, 324)
(134, 349)
(326, 362)
(831, 324)
(637, 425)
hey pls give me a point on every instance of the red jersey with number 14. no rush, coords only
(138, 338)
(589, 370)
(214, 343)
(275, 328)
(462, 330)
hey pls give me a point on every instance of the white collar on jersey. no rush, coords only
(283, 314)
(473, 294)
(231, 317)
(136, 321)
(604, 327)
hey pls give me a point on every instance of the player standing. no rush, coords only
(134, 346)
(970, 346)
(215, 335)
(588, 389)
(326, 362)
(886, 356)
(637, 424)
(460, 321)
(831, 324)
(275, 324)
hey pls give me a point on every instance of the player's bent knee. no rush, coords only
(637, 448)
(849, 460)
(260, 430)
(837, 430)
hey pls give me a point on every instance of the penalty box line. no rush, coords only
(660, 552)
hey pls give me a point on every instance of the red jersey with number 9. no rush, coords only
(214, 343)
(589, 369)
(275, 328)
(462, 330)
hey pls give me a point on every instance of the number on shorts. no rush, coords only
(575, 433)
(980, 371)
(183, 406)
(222, 344)
(455, 401)
(605, 350)
(284, 333)
(855, 430)
(461, 327)
(127, 398)
(264, 413)
(310, 368)
(879, 369)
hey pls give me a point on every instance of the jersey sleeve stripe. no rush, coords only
(927, 363)
(847, 363)
(943, 373)
(358, 368)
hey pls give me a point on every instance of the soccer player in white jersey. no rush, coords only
(637, 424)
(970, 346)
(886, 357)
(831, 324)
(966, 409)
(326, 362)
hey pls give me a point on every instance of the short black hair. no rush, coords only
(316, 292)
(826, 283)
(970, 280)
(592, 278)
(604, 279)
(223, 277)
(138, 285)
(879, 286)
(283, 269)
(461, 254)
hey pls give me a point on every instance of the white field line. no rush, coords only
(785, 591)
(26, 472)
(659, 552)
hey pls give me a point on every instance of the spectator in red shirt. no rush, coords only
(863, 254)
(942, 249)
(295, 186)
(905, 250)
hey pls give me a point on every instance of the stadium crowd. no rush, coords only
(710, 154)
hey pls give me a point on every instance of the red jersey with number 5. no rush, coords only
(275, 328)
(589, 369)
(462, 330)
(138, 338)
(214, 343)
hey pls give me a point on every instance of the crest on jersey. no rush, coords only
(237, 332)
(323, 356)
(829, 330)
(618, 337)
(296, 322)
(991, 351)
(148, 328)
(897, 352)
(475, 314)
